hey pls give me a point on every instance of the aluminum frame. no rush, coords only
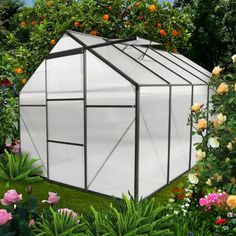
(136, 106)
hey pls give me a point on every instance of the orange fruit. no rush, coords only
(152, 8)
(18, 71)
(23, 23)
(162, 33)
(174, 32)
(24, 81)
(53, 42)
(158, 25)
(106, 17)
(109, 8)
(76, 23)
(93, 32)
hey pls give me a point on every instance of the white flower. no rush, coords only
(176, 212)
(171, 200)
(193, 179)
(187, 204)
(221, 119)
(213, 142)
(230, 146)
(200, 154)
(233, 58)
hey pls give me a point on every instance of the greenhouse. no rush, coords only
(110, 116)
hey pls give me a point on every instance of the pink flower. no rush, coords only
(11, 196)
(203, 202)
(31, 223)
(4, 216)
(16, 148)
(67, 211)
(52, 198)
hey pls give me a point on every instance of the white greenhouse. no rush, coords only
(110, 116)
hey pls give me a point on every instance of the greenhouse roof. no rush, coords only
(138, 60)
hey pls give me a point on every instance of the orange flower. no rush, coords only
(196, 107)
(162, 33)
(18, 71)
(222, 88)
(152, 8)
(201, 124)
(23, 23)
(76, 23)
(106, 17)
(93, 32)
(231, 201)
(174, 32)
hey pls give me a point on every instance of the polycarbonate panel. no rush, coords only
(33, 134)
(66, 164)
(200, 96)
(178, 70)
(154, 107)
(66, 121)
(186, 60)
(87, 39)
(105, 86)
(157, 68)
(128, 66)
(65, 77)
(33, 93)
(65, 43)
(110, 150)
(180, 132)
(186, 66)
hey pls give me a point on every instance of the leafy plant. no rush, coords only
(54, 223)
(128, 217)
(15, 168)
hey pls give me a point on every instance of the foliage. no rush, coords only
(129, 217)
(15, 168)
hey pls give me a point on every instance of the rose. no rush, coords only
(220, 221)
(213, 142)
(230, 146)
(67, 211)
(231, 201)
(31, 223)
(4, 216)
(201, 124)
(203, 202)
(221, 118)
(200, 154)
(233, 58)
(222, 88)
(193, 179)
(196, 107)
(52, 198)
(217, 70)
(11, 196)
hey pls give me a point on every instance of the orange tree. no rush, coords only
(37, 29)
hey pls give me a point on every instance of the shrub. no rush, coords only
(15, 168)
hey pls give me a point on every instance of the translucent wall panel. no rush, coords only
(180, 132)
(186, 66)
(34, 90)
(105, 86)
(178, 70)
(200, 96)
(65, 43)
(154, 106)
(66, 164)
(186, 60)
(65, 77)
(128, 66)
(33, 134)
(65, 121)
(157, 68)
(111, 150)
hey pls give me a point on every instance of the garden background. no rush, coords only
(204, 202)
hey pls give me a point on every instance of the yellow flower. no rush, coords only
(233, 58)
(201, 124)
(227, 159)
(222, 88)
(208, 182)
(217, 70)
(200, 154)
(193, 179)
(231, 201)
(213, 142)
(230, 146)
(196, 107)
(221, 118)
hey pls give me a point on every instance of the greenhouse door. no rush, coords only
(65, 119)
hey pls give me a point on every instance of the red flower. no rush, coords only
(181, 196)
(6, 82)
(220, 221)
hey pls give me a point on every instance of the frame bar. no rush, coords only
(65, 53)
(68, 143)
(137, 131)
(64, 99)
(111, 106)
(29, 105)
(191, 128)
(169, 134)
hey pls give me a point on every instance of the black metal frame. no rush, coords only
(82, 50)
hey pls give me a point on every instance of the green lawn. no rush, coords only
(75, 199)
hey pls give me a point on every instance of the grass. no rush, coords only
(75, 199)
